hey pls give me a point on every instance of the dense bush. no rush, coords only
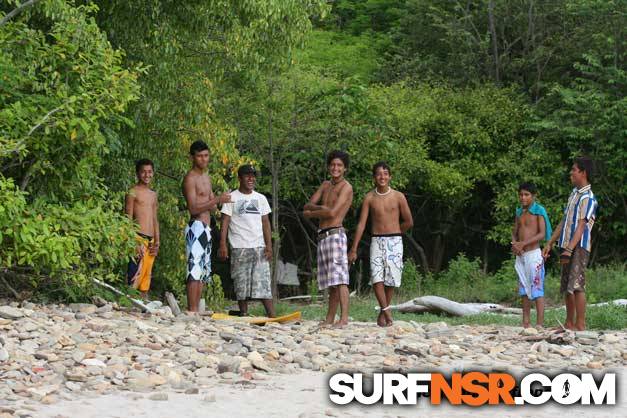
(63, 92)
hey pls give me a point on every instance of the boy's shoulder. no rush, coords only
(193, 175)
(535, 209)
(136, 190)
(398, 194)
(259, 196)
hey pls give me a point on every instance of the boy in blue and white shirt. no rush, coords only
(573, 236)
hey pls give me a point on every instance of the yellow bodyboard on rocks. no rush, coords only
(257, 320)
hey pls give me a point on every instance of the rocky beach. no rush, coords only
(104, 361)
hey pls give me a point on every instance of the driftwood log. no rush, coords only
(437, 304)
(300, 298)
(141, 305)
(174, 305)
(619, 302)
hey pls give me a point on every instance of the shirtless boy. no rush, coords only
(329, 204)
(531, 226)
(388, 207)
(200, 201)
(141, 206)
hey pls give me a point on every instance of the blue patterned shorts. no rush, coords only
(198, 251)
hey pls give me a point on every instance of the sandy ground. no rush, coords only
(300, 395)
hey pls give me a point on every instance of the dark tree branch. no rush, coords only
(17, 11)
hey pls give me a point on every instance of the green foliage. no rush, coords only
(461, 277)
(358, 16)
(196, 53)
(462, 113)
(605, 283)
(62, 246)
(57, 91)
(572, 109)
(341, 54)
(62, 88)
(587, 116)
(465, 281)
(214, 295)
(313, 289)
(454, 40)
(607, 317)
(411, 279)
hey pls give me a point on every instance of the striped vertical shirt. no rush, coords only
(582, 207)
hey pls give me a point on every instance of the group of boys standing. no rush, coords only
(245, 225)
(245, 237)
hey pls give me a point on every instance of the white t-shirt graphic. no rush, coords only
(246, 210)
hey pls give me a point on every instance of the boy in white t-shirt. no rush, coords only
(245, 222)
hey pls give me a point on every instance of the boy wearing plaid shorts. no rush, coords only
(329, 204)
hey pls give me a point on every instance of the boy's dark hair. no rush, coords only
(338, 154)
(528, 186)
(246, 169)
(142, 162)
(383, 165)
(585, 164)
(197, 146)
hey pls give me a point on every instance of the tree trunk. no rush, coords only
(17, 11)
(485, 256)
(421, 252)
(438, 252)
(495, 47)
(276, 244)
(359, 276)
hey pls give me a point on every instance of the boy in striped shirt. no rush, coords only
(573, 237)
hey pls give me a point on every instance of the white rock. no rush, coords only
(9, 312)
(529, 331)
(78, 356)
(205, 372)
(142, 326)
(84, 308)
(4, 354)
(610, 338)
(93, 362)
(73, 386)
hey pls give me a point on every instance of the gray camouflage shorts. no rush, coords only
(250, 271)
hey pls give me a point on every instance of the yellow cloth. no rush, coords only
(141, 279)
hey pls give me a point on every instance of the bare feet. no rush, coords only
(381, 320)
(325, 324)
(340, 324)
(560, 330)
(526, 325)
(388, 318)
